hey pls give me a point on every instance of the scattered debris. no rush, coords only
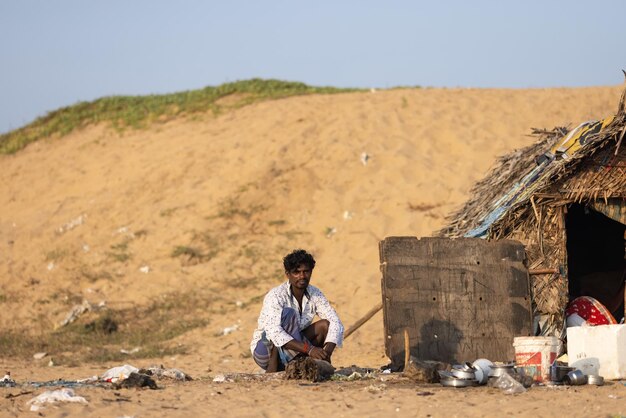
(330, 231)
(118, 373)
(161, 373)
(7, 381)
(354, 373)
(229, 330)
(136, 380)
(76, 311)
(424, 371)
(353, 376)
(61, 395)
(347, 215)
(364, 158)
(72, 224)
(39, 356)
(22, 393)
(133, 351)
(220, 378)
(144, 269)
(89, 382)
(509, 384)
(50, 266)
(248, 377)
(309, 369)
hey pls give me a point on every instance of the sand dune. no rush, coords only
(96, 215)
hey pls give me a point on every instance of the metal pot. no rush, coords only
(575, 377)
(498, 370)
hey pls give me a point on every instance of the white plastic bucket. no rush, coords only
(535, 355)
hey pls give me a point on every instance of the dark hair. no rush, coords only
(293, 260)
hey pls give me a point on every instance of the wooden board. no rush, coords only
(460, 299)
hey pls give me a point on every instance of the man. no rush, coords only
(286, 329)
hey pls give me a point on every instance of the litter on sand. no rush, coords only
(53, 396)
(119, 373)
(6, 381)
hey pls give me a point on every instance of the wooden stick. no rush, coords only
(363, 320)
(543, 271)
(407, 349)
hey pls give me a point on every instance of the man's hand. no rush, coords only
(319, 354)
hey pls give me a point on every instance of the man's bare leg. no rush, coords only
(316, 334)
(272, 367)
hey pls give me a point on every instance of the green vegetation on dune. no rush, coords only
(100, 336)
(140, 111)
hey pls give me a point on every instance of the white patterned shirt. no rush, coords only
(313, 302)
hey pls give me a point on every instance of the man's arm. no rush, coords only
(334, 337)
(271, 316)
(310, 350)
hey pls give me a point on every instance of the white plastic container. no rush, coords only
(599, 350)
(535, 355)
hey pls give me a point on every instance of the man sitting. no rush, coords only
(286, 329)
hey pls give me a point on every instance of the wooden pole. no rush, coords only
(543, 271)
(363, 320)
(407, 349)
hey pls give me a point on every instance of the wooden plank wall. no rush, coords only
(460, 299)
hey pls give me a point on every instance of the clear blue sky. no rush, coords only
(55, 53)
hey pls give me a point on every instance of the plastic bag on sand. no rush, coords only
(52, 396)
(119, 373)
(6, 381)
(172, 373)
(509, 385)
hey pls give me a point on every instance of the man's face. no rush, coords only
(300, 277)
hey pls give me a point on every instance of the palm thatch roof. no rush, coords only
(526, 196)
(596, 170)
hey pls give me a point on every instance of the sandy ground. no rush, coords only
(385, 396)
(96, 216)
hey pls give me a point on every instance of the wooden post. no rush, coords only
(407, 349)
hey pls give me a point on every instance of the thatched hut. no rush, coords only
(564, 198)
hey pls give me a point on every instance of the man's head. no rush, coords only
(294, 259)
(298, 268)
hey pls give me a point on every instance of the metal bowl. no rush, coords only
(498, 370)
(463, 374)
(444, 374)
(458, 383)
(594, 379)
